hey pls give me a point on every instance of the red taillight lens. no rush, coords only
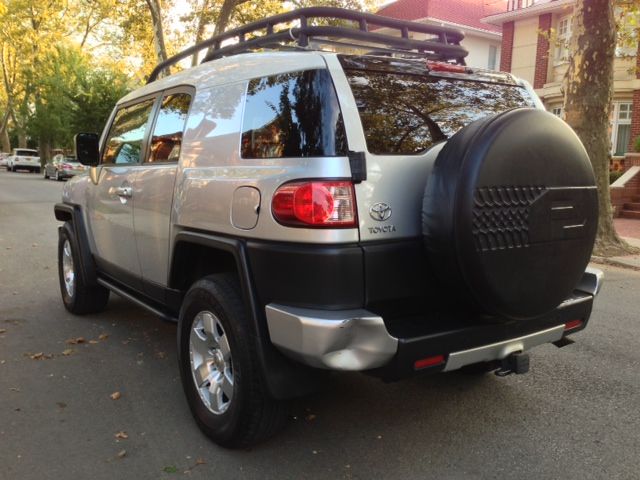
(315, 204)
(446, 67)
(428, 362)
(572, 324)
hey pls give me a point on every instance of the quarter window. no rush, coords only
(167, 133)
(293, 115)
(124, 143)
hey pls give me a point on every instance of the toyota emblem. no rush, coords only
(380, 211)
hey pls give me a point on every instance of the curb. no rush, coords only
(614, 262)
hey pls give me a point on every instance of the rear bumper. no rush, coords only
(357, 339)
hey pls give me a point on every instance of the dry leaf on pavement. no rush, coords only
(67, 352)
(75, 341)
(122, 453)
(122, 435)
(115, 395)
(103, 336)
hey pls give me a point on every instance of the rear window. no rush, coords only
(406, 114)
(26, 153)
(293, 115)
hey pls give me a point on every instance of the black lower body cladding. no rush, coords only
(510, 213)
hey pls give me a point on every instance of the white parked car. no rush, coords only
(24, 159)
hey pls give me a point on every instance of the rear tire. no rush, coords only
(229, 401)
(78, 297)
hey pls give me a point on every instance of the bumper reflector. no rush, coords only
(428, 362)
(572, 324)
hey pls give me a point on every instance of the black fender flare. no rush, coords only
(72, 216)
(284, 378)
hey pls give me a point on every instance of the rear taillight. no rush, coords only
(315, 204)
(66, 166)
(446, 67)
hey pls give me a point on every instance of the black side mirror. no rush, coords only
(88, 148)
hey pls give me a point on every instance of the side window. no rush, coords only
(124, 143)
(293, 115)
(167, 133)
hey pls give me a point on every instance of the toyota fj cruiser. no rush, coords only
(299, 210)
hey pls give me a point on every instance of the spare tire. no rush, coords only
(510, 213)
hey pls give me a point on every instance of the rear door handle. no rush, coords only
(124, 192)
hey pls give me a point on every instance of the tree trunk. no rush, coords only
(588, 93)
(224, 16)
(158, 32)
(5, 144)
(202, 23)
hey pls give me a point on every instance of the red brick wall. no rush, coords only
(635, 116)
(507, 47)
(542, 51)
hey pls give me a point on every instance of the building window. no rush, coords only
(493, 57)
(621, 127)
(562, 40)
(558, 111)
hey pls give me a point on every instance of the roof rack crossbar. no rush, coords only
(443, 41)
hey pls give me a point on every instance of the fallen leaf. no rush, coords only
(122, 453)
(34, 244)
(311, 417)
(3, 330)
(115, 395)
(36, 356)
(93, 342)
(103, 336)
(75, 341)
(201, 461)
(161, 355)
(67, 352)
(14, 389)
(122, 435)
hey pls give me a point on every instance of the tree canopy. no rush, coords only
(64, 63)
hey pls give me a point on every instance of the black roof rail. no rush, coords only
(443, 43)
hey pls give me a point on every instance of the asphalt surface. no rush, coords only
(576, 415)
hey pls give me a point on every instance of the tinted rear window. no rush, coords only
(26, 153)
(407, 114)
(293, 115)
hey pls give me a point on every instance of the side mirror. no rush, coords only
(88, 148)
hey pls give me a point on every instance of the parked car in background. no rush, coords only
(3, 159)
(24, 159)
(62, 166)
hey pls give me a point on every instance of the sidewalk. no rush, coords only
(629, 230)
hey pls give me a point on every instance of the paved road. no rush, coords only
(576, 415)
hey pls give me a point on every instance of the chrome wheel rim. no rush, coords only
(211, 363)
(68, 272)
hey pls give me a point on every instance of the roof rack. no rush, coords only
(442, 43)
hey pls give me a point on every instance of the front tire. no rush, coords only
(78, 297)
(221, 376)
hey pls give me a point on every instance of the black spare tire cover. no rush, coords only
(510, 213)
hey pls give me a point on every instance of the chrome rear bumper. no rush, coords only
(359, 340)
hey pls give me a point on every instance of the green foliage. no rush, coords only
(636, 144)
(613, 176)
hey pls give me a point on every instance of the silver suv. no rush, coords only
(298, 210)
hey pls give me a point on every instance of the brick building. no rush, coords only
(527, 26)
